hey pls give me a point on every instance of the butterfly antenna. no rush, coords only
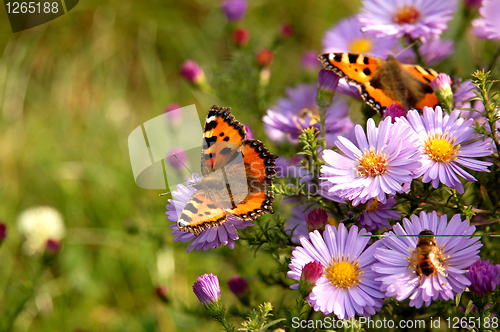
(411, 45)
(182, 163)
(163, 194)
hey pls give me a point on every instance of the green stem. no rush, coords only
(415, 45)
(322, 124)
(27, 289)
(228, 327)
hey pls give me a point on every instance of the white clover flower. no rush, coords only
(39, 224)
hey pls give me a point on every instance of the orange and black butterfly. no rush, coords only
(384, 82)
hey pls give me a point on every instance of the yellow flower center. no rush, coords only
(441, 148)
(406, 14)
(342, 273)
(361, 45)
(373, 206)
(313, 114)
(372, 164)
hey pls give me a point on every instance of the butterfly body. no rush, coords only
(384, 82)
(236, 176)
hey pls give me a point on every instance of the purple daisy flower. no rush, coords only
(380, 163)
(346, 36)
(207, 288)
(432, 52)
(488, 25)
(447, 142)
(211, 238)
(348, 285)
(299, 111)
(398, 262)
(418, 19)
(377, 215)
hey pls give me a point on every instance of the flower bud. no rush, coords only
(162, 293)
(264, 58)
(484, 277)
(442, 89)
(192, 72)
(238, 285)
(234, 10)
(311, 272)
(53, 246)
(241, 36)
(3, 232)
(327, 83)
(207, 288)
(286, 31)
(317, 220)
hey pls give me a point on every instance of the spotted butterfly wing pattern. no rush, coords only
(237, 174)
(382, 83)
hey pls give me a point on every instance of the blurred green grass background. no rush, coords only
(71, 91)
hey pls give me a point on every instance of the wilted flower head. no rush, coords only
(207, 288)
(38, 225)
(238, 285)
(484, 277)
(425, 19)
(192, 72)
(234, 10)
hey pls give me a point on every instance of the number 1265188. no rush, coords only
(32, 7)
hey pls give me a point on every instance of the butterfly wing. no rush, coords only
(382, 83)
(200, 213)
(254, 198)
(420, 80)
(222, 137)
(355, 68)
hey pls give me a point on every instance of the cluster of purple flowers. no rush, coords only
(338, 269)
